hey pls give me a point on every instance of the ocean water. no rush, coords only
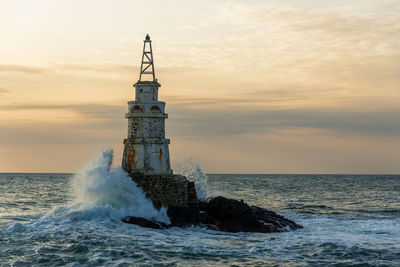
(74, 220)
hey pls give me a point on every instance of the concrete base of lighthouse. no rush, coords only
(147, 163)
(172, 191)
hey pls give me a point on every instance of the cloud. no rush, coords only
(88, 110)
(242, 69)
(3, 90)
(94, 67)
(97, 123)
(110, 68)
(240, 121)
(20, 69)
(101, 123)
(253, 36)
(70, 67)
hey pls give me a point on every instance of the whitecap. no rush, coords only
(101, 190)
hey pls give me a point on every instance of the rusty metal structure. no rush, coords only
(147, 66)
(145, 148)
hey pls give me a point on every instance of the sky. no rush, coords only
(278, 86)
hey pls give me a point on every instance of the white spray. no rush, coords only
(100, 186)
(190, 168)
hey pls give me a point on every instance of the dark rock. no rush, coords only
(144, 222)
(183, 217)
(280, 223)
(223, 214)
(203, 205)
(231, 215)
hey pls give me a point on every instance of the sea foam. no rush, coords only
(190, 168)
(100, 189)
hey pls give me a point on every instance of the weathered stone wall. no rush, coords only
(146, 149)
(168, 190)
(146, 127)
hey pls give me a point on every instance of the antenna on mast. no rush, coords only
(147, 66)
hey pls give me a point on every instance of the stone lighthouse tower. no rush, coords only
(146, 153)
(146, 149)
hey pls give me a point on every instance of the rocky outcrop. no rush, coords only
(144, 222)
(224, 214)
(231, 215)
(220, 213)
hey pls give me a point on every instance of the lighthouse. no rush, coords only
(146, 152)
(146, 161)
(145, 148)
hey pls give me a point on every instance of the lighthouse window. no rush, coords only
(137, 108)
(155, 109)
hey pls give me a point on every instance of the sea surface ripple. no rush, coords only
(55, 219)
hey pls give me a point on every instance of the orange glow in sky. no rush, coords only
(251, 86)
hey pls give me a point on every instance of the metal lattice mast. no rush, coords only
(147, 66)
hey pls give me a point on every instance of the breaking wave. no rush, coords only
(190, 168)
(85, 228)
(101, 189)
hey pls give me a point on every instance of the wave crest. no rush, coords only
(190, 168)
(100, 187)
